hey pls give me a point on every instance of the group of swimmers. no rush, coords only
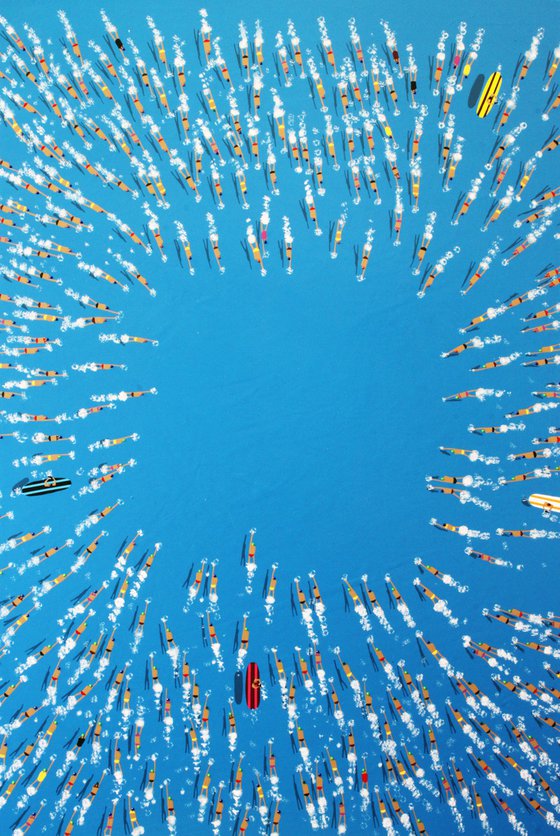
(377, 753)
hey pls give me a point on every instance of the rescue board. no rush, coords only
(52, 484)
(545, 502)
(489, 95)
(252, 685)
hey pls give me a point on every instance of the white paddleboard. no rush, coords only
(542, 500)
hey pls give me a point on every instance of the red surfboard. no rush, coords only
(253, 685)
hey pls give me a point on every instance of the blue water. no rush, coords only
(308, 406)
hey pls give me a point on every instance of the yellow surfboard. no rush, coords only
(547, 503)
(489, 95)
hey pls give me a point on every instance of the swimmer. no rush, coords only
(462, 530)
(491, 364)
(478, 274)
(519, 532)
(543, 453)
(501, 175)
(366, 252)
(502, 428)
(528, 57)
(529, 410)
(30, 820)
(244, 645)
(551, 439)
(540, 329)
(460, 396)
